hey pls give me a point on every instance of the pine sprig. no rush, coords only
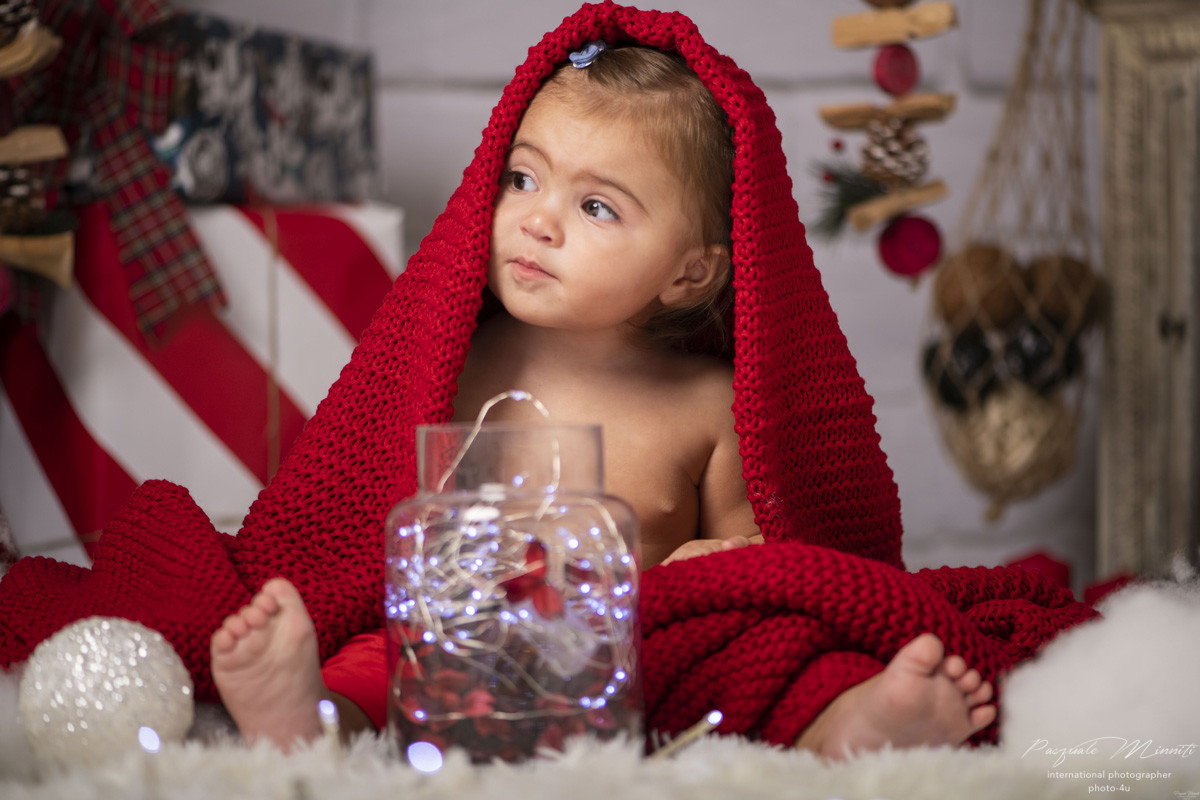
(842, 188)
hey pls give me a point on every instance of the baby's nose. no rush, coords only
(543, 222)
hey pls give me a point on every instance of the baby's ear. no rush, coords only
(700, 277)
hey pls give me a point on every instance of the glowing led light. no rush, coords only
(148, 739)
(425, 757)
(714, 717)
(585, 588)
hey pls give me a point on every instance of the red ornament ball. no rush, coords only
(897, 71)
(910, 245)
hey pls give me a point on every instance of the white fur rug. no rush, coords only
(1108, 709)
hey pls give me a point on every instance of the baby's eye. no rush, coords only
(518, 181)
(594, 208)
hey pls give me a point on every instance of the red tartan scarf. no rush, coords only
(767, 634)
(112, 82)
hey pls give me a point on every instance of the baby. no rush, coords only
(610, 265)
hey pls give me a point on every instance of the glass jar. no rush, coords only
(511, 595)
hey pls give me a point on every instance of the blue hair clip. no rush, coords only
(585, 57)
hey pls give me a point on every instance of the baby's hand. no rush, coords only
(702, 547)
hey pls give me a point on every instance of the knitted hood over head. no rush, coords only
(820, 607)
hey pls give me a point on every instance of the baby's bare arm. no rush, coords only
(702, 547)
(726, 516)
(725, 510)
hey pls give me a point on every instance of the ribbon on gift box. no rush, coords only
(113, 80)
(218, 404)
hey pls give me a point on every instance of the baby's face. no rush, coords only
(590, 225)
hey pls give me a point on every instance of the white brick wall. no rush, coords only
(442, 63)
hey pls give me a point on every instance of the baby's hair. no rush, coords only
(660, 91)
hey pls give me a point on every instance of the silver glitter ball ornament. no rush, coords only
(89, 688)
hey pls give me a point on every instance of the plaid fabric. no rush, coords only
(111, 83)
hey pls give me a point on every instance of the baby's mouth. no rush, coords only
(529, 269)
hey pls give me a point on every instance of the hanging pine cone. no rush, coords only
(895, 153)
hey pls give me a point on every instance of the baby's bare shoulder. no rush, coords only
(701, 384)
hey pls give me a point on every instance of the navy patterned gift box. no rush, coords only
(269, 117)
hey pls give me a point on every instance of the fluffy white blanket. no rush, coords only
(1108, 709)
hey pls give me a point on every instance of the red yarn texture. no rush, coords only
(767, 634)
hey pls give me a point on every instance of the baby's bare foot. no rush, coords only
(921, 698)
(267, 668)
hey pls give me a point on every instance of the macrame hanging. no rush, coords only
(888, 184)
(1012, 302)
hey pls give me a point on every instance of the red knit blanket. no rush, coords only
(767, 634)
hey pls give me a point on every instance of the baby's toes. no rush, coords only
(981, 717)
(954, 667)
(236, 625)
(981, 694)
(223, 641)
(969, 681)
(266, 601)
(254, 616)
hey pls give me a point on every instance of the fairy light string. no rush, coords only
(467, 580)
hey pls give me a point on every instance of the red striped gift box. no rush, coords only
(89, 408)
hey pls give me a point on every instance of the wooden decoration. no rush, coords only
(33, 48)
(895, 156)
(30, 144)
(869, 214)
(51, 256)
(914, 107)
(894, 25)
